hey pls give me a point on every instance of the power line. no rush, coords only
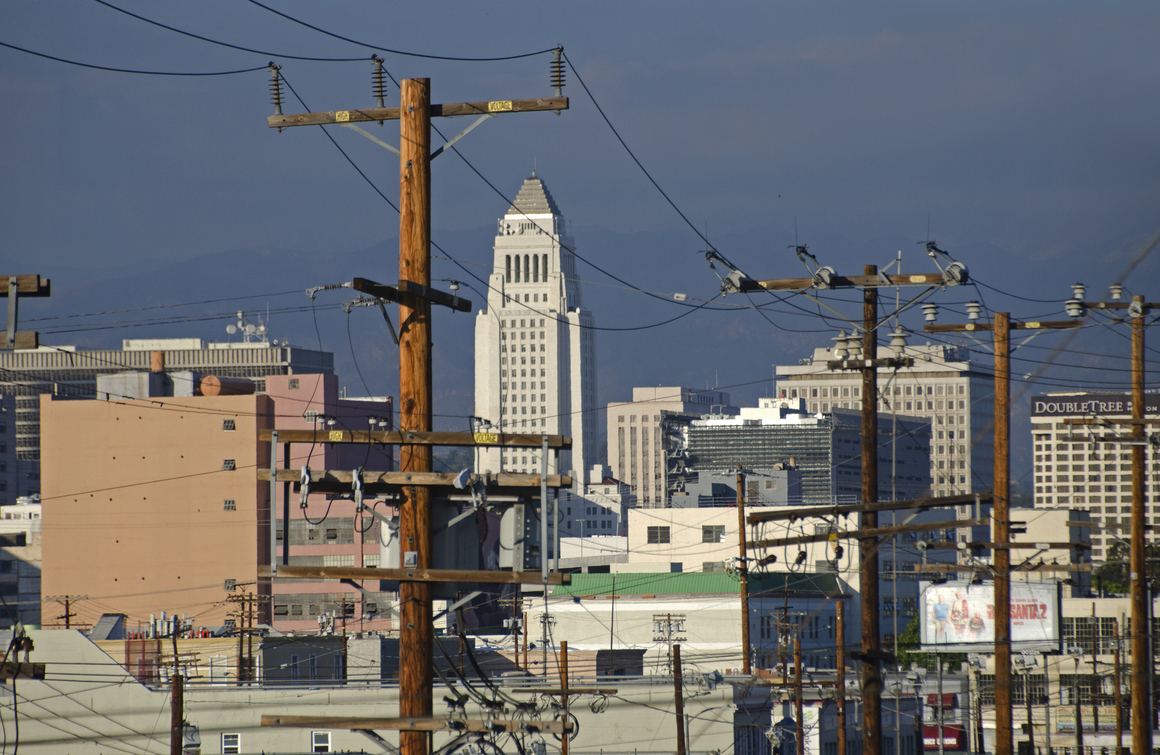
(131, 70)
(400, 52)
(227, 44)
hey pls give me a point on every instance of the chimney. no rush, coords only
(157, 361)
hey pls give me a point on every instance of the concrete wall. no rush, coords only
(135, 513)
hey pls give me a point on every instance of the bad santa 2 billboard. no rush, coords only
(960, 616)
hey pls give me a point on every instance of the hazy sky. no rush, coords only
(1025, 134)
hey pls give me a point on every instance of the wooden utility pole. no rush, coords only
(1118, 691)
(799, 723)
(1140, 589)
(416, 631)
(414, 297)
(1078, 711)
(743, 573)
(66, 601)
(871, 671)
(840, 680)
(176, 711)
(1001, 498)
(1141, 716)
(564, 691)
(679, 699)
(1004, 743)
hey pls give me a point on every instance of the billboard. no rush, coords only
(959, 617)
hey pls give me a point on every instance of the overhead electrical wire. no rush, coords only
(131, 70)
(406, 53)
(227, 44)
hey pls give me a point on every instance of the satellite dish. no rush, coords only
(250, 329)
(231, 329)
(261, 328)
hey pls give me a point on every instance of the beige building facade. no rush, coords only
(1072, 470)
(155, 505)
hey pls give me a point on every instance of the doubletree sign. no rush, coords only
(1098, 404)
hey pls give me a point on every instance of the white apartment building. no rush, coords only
(945, 386)
(600, 509)
(1093, 476)
(535, 350)
(20, 562)
(645, 437)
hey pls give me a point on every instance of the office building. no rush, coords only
(535, 350)
(1074, 472)
(946, 385)
(825, 448)
(646, 444)
(71, 372)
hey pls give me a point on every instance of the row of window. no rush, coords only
(523, 360)
(856, 391)
(529, 272)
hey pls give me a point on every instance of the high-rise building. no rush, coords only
(824, 448)
(646, 438)
(944, 386)
(71, 372)
(535, 350)
(1089, 475)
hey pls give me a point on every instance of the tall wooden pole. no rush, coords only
(1140, 592)
(564, 693)
(1119, 692)
(871, 645)
(743, 573)
(1002, 557)
(799, 722)
(840, 680)
(679, 699)
(416, 643)
(176, 712)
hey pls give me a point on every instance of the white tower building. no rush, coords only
(535, 350)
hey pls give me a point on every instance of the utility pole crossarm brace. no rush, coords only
(916, 503)
(392, 294)
(14, 287)
(881, 280)
(493, 107)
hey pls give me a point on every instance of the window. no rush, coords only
(229, 465)
(228, 425)
(294, 666)
(658, 535)
(711, 533)
(231, 743)
(320, 740)
(313, 666)
(293, 384)
(229, 504)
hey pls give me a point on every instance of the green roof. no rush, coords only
(697, 583)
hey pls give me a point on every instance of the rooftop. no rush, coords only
(533, 199)
(697, 583)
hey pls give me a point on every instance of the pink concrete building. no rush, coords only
(155, 505)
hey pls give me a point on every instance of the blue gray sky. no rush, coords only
(1024, 136)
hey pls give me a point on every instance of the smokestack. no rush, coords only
(157, 361)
